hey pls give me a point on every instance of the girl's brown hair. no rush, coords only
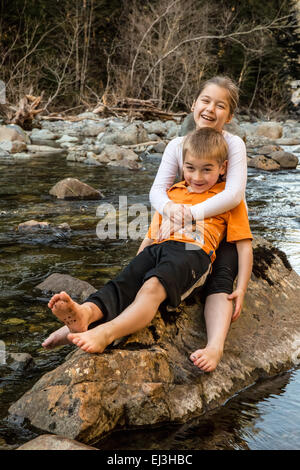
(228, 84)
(206, 143)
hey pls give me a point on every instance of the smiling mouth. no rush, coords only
(207, 118)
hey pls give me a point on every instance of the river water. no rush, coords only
(264, 416)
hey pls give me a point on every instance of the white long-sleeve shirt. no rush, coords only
(236, 178)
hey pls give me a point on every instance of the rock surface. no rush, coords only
(148, 379)
(53, 442)
(56, 283)
(72, 188)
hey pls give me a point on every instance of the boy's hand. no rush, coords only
(238, 297)
(175, 217)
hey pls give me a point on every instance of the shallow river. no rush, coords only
(264, 416)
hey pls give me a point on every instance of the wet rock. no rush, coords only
(160, 147)
(91, 159)
(93, 130)
(12, 146)
(67, 139)
(147, 379)
(288, 141)
(125, 163)
(132, 134)
(44, 150)
(10, 133)
(114, 153)
(42, 134)
(172, 129)
(285, 159)
(53, 442)
(56, 283)
(155, 127)
(234, 128)
(33, 225)
(268, 149)
(271, 130)
(19, 361)
(72, 188)
(264, 163)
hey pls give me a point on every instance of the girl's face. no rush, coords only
(211, 109)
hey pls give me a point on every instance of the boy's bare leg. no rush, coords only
(135, 317)
(217, 313)
(57, 338)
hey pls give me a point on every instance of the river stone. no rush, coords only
(148, 379)
(155, 127)
(271, 130)
(11, 134)
(125, 163)
(285, 159)
(264, 163)
(114, 152)
(132, 134)
(288, 141)
(53, 442)
(56, 283)
(268, 149)
(44, 150)
(19, 361)
(72, 188)
(42, 134)
(12, 146)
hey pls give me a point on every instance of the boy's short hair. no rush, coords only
(206, 143)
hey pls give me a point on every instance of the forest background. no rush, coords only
(79, 53)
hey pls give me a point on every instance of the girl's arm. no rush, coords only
(245, 257)
(236, 179)
(165, 176)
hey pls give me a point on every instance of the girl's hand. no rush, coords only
(175, 217)
(238, 296)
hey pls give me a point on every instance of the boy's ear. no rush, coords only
(223, 168)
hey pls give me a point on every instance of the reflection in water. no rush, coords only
(261, 417)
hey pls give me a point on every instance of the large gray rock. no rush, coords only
(148, 379)
(132, 134)
(13, 133)
(12, 146)
(56, 283)
(271, 130)
(264, 163)
(53, 442)
(285, 159)
(72, 188)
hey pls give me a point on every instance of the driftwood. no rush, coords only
(27, 109)
(143, 109)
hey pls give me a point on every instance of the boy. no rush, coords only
(171, 269)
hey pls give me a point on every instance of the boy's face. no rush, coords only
(201, 174)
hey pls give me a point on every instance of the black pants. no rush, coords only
(224, 270)
(179, 270)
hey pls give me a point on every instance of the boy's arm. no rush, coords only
(145, 242)
(245, 261)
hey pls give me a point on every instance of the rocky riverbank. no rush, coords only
(116, 142)
(148, 379)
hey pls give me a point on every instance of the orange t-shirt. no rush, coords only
(207, 233)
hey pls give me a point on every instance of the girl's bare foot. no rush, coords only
(207, 359)
(93, 341)
(75, 316)
(57, 338)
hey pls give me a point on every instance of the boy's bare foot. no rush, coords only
(207, 359)
(57, 338)
(93, 341)
(75, 316)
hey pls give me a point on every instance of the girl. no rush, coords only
(214, 107)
